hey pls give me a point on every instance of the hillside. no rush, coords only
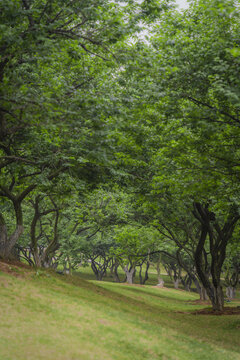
(48, 316)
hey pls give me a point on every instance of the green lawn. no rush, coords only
(66, 317)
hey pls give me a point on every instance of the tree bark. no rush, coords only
(203, 294)
(3, 236)
(7, 242)
(129, 273)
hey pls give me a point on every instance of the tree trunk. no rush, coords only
(36, 257)
(187, 285)
(115, 273)
(7, 243)
(200, 289)
(217, 299)
(177, 277)
(160, 280)
(129, 274)
(100, 275)
(203, 294)
(98, 270)
(176, 283)
(3, 239)
(145, 278)
(230, 292)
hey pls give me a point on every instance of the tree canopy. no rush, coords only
(119, 136)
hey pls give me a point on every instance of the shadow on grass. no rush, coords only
(135, 306)
(179, 318)
(170, 296)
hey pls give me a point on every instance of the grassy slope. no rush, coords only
(56, 317)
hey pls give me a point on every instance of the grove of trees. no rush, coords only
(120, 138)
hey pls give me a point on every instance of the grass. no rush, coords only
(50, 317)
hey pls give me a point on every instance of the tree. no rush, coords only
(43, 252)
(89, 228)
(51, 54)
(133, 246)
(197, 159)
(219, 238)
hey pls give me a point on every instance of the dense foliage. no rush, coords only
(117, 146)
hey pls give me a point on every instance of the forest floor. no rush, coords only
(53, 317)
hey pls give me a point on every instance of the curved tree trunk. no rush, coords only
(7, 243)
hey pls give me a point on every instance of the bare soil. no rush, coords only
(14, 267)
(227, 311)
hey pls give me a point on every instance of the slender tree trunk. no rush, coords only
(69, 265)
(115, 272)
(145, 278)
(176, 277)
(160, 280)
(7, 243)
(53, 245)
